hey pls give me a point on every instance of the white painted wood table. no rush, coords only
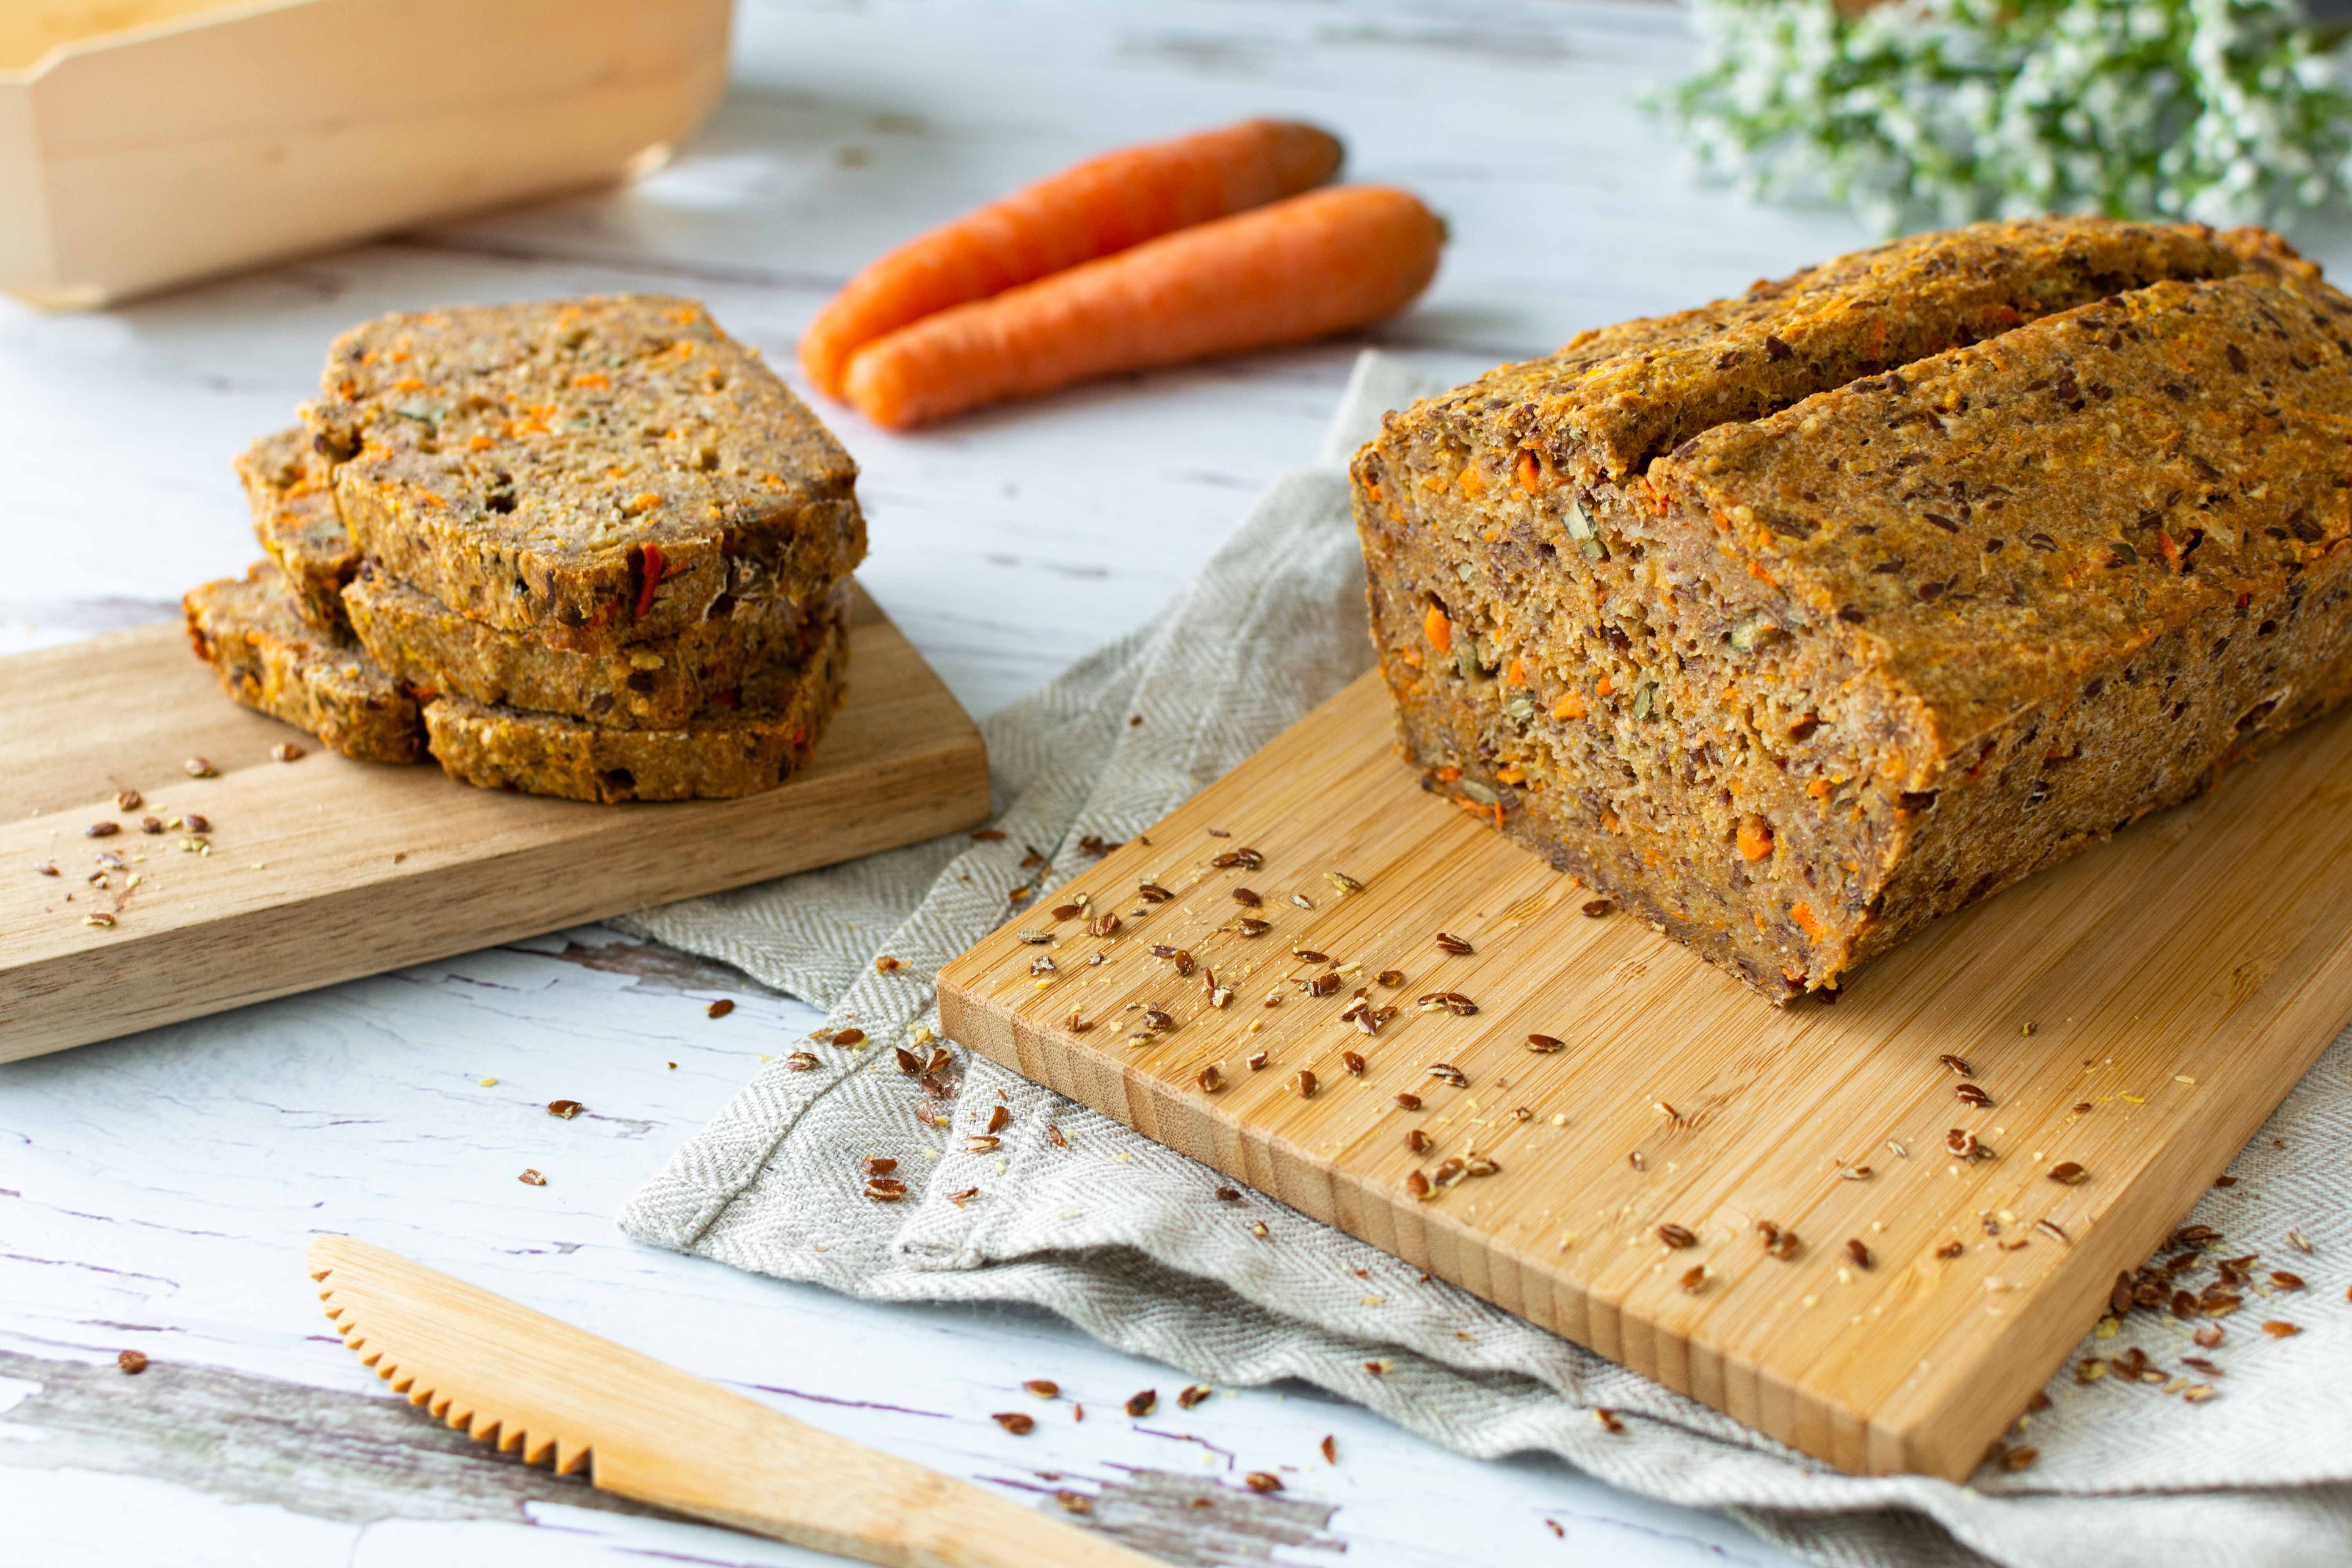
(156, 1193)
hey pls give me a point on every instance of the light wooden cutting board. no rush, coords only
(2136, 1012)
(323, 868)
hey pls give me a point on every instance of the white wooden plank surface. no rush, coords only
(156, 1193)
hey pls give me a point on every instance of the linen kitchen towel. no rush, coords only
(2140, 1456)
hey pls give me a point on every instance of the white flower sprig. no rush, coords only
(1922, 111)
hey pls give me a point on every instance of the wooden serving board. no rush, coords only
(323, 869)
(2136, 1011)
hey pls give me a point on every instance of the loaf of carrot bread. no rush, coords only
(1801, 619)
(659, 683)
(271, 659)
(723, 752)
(291, 492)
(594, 472)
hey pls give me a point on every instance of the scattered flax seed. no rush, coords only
(1249, 925)
(1695, 1279)
(1859, 1253)
(1407, 1100)
(885, 1189)
(1636, 1160)
(1544, 1044)
(1448, 943)
(1191, 1394)
(1014, 1422)
(1043, 1388)
(1308, 954)
(2049, 1226)
(988, 834)
(1676, 1236)
(849, 1037)
(2299, 1241)
(1152, 893)
(1964, 1143)
(152, 824)
(1075, 1502)
(1856, 1173)
(1608, 1419)
(1054, 1136)
(1245, 897)
(1261, 1481)
(1330, 1446)
(2279, 1329)
(128, 800)
(134, 1363)
(195, 822)
(799, 1061)
(2018, 1458)
(982, 1143)
(1391, 978)
(1446, 1072)
(1957, 1066)
(1228, 1195)
(908, 1062)
(1419, 1141)
(880, 1164)
(885, 965)
(1901, 1151)
(1211, 1079)
(101, 830)
(1143, 1403)
(97, 919)
(287, 751)
(1344, 882)
(1353, 1063)
(531, 1179)
(564, 1109)
(998, 1117)
(1668, 1111)
(1257, 1061)
(1376, 1368)
(2208, 1337)
(1247, 858)
(1594, 909)
(2068, 1174)
(45, 868)
(1323, 985)
(1521, 1113)
(1302, 900)
(2283, 1280)
(1971, 1094)
(1416, 1186)
(720, 1009)
(1950, 1251)
(197, 768)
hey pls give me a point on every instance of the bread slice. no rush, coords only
(723, 753)
(290, 489)
(660, 683)
(271, 659)
(594, 472)
(1794, 683)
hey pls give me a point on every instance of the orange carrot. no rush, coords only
(1316, 264)
(1092, 209)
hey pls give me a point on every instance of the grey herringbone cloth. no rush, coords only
(1116, 1234)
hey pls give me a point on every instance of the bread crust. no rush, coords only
(594, 472)
(1814, 677)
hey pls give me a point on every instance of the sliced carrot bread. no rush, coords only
(594, 472)
(270, 658)
(724, 752)
(290, 489)
(1803, 619)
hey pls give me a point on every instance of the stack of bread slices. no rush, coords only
(589, 548)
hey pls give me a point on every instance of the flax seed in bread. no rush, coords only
(271, 659)
(1798, 630)
(292, 496)
(723, 753)
(593, 471)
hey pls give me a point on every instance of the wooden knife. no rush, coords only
(504, 1373)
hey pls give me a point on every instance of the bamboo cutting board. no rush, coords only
(2136, 1013)
(323, 869)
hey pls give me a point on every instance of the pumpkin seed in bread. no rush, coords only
(660, 683)
(270, 659)
(723, 753)
(1795, 666)
(593, 471)
(291, 492)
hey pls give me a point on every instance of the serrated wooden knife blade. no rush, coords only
(646, 1430)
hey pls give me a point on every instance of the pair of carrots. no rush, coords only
(1209, 244)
